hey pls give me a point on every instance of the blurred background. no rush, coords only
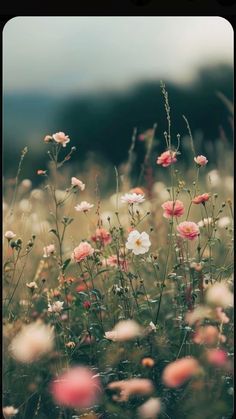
(96, 78)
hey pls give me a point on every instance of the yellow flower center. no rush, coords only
(138, 242)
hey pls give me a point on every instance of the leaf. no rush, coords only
(97, 293)
(65, 264)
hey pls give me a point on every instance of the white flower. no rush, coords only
(150, 409)
(132, 198)
(10, 235)
(124, 330)
(77, 182)
(32, 342)
(56, 307)
(219, 295)
(152, 326)
(205, 222)
(224, 222)
(48, 250)
(84, 206)
(9, 412)
(26, 183)
(25, 205)
(32, 285)
(61, 138)
(139, 243)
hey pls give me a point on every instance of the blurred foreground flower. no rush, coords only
(217, 357)
(9, 412)
(124, 330)
(48, 250)
(188, 230)
(219, 295)
(139, 243)
(32, 342)
(9, 235)
(131, 387)
(207, 335)
(179, 371)
(150, 409)
(76, 388)
(56, 307)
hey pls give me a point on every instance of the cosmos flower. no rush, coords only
(132, 198)
(201, 160)
(77, 182)
(201, 199)
(32, 342)
(84, 206)
(139, 243)
(76, 388)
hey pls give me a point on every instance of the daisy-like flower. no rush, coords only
(201, 160)
(48, 250)
(56, 307)
(84, 206)
(77, 182)
(167, 158)
(9, 235)
(201, 199)
(61, 138)
(139, 243)
(132, 198)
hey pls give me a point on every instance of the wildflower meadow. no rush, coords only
(120, 305)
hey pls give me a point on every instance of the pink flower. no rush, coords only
(207, 335)
(188, 230)
(48, 250)
(131, 387)
(77, 182)
(113, 261)
(201, 199)
(173, 209)
(124, 330)
(167, 158)
(102, 236)
(132, 198)
(9, 412)
(216, 357)
(86, 304)
(84, 206)
(10, 235)
(82, 251)
(179, 371)
(137, 190)
(61, 138)
(221, 316)
(48, 139)
(76, 388)
(201, 160)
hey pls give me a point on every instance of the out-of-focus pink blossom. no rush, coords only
(219, 295)
(150, 409)
(124, 330)
(207, 335)
(167, 158)
(113, 261)
(76, 388)
(48, 250)
(173, 209)
(201, 199)
(137, 190)
(188, 230)
(9, 235)
(9, 412)
(178, 372)
(102, 236)
(217, 357)
(82, 251)
(127, 388)
(221, 316)
(201, 160)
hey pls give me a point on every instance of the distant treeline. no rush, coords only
(103, 123)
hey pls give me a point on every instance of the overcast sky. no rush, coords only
(71, 54)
